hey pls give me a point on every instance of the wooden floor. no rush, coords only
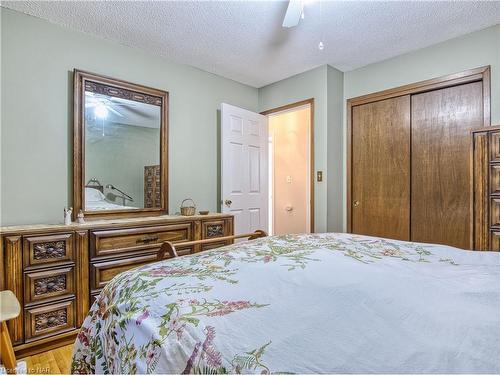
(57, 361)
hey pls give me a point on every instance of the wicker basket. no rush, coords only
(188, 210)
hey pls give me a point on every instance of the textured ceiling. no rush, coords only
(244, 40)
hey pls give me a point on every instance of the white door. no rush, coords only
(244, 168)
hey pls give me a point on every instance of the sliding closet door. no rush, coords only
(441, 163)
(381, 168)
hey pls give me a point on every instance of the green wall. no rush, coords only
(36, 120)
(470, 51)
(335, 218)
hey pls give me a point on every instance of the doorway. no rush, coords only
(291, 168)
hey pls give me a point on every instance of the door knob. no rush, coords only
(355, 203)
(228, 202)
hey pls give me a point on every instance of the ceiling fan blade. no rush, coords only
(114, 111)
(140, 113)
(119, 101)
(293, 13)
(114, 104)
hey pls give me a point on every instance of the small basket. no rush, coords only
(188, 210)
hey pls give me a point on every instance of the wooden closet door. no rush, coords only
(381, 168)
(441, 198)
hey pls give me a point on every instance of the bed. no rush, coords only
(322, 303)
(95, 200)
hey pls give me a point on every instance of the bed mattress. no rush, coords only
(321, 303)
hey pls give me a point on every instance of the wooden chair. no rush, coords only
(168, 247)
(9, 309)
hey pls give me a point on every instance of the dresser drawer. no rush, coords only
(47, 285)
(121, 241)
(495, 212)
(214, 228)
(49, 320)
(495, 146)
(495, 179)
(48, 250)
(494, 241)
(101, 273)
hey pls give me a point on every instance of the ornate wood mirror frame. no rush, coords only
(84, 81)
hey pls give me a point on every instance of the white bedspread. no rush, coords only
(326, 303)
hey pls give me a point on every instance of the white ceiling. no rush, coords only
(244, 40)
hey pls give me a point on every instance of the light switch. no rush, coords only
(319, 176)
(289, 179)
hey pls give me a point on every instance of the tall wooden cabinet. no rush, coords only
(486, 156)
(410, 169)
(56, 271)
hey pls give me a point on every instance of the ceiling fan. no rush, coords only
(102, 105)
(294, 13)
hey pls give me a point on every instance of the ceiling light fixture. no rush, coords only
(101, 111)
(321, 45)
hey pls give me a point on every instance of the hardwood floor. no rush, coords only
(56, 361)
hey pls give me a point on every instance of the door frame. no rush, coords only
(468, 76)
(301, 103)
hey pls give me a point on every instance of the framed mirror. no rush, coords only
(120, 149)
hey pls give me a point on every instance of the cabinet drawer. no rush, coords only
(495, 241)
(50, 284)
(49, 320)
(495, 212)
(495, 179)
(213, 229)
(112, 242)
(48, 250)
(494, 146)
(101, 273)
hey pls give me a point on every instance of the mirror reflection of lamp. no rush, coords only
(124, 196)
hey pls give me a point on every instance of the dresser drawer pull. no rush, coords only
(147, 239)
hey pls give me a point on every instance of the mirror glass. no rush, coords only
(122, 150)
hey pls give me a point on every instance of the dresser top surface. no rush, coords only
(107, 223)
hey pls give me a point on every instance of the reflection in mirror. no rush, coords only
(122, 150)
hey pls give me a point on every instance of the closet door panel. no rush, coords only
(381, 168)
(441, 208)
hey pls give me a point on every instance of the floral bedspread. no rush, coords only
(324, 303)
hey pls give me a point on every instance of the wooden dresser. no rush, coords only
(486, 146)
(57, 270)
